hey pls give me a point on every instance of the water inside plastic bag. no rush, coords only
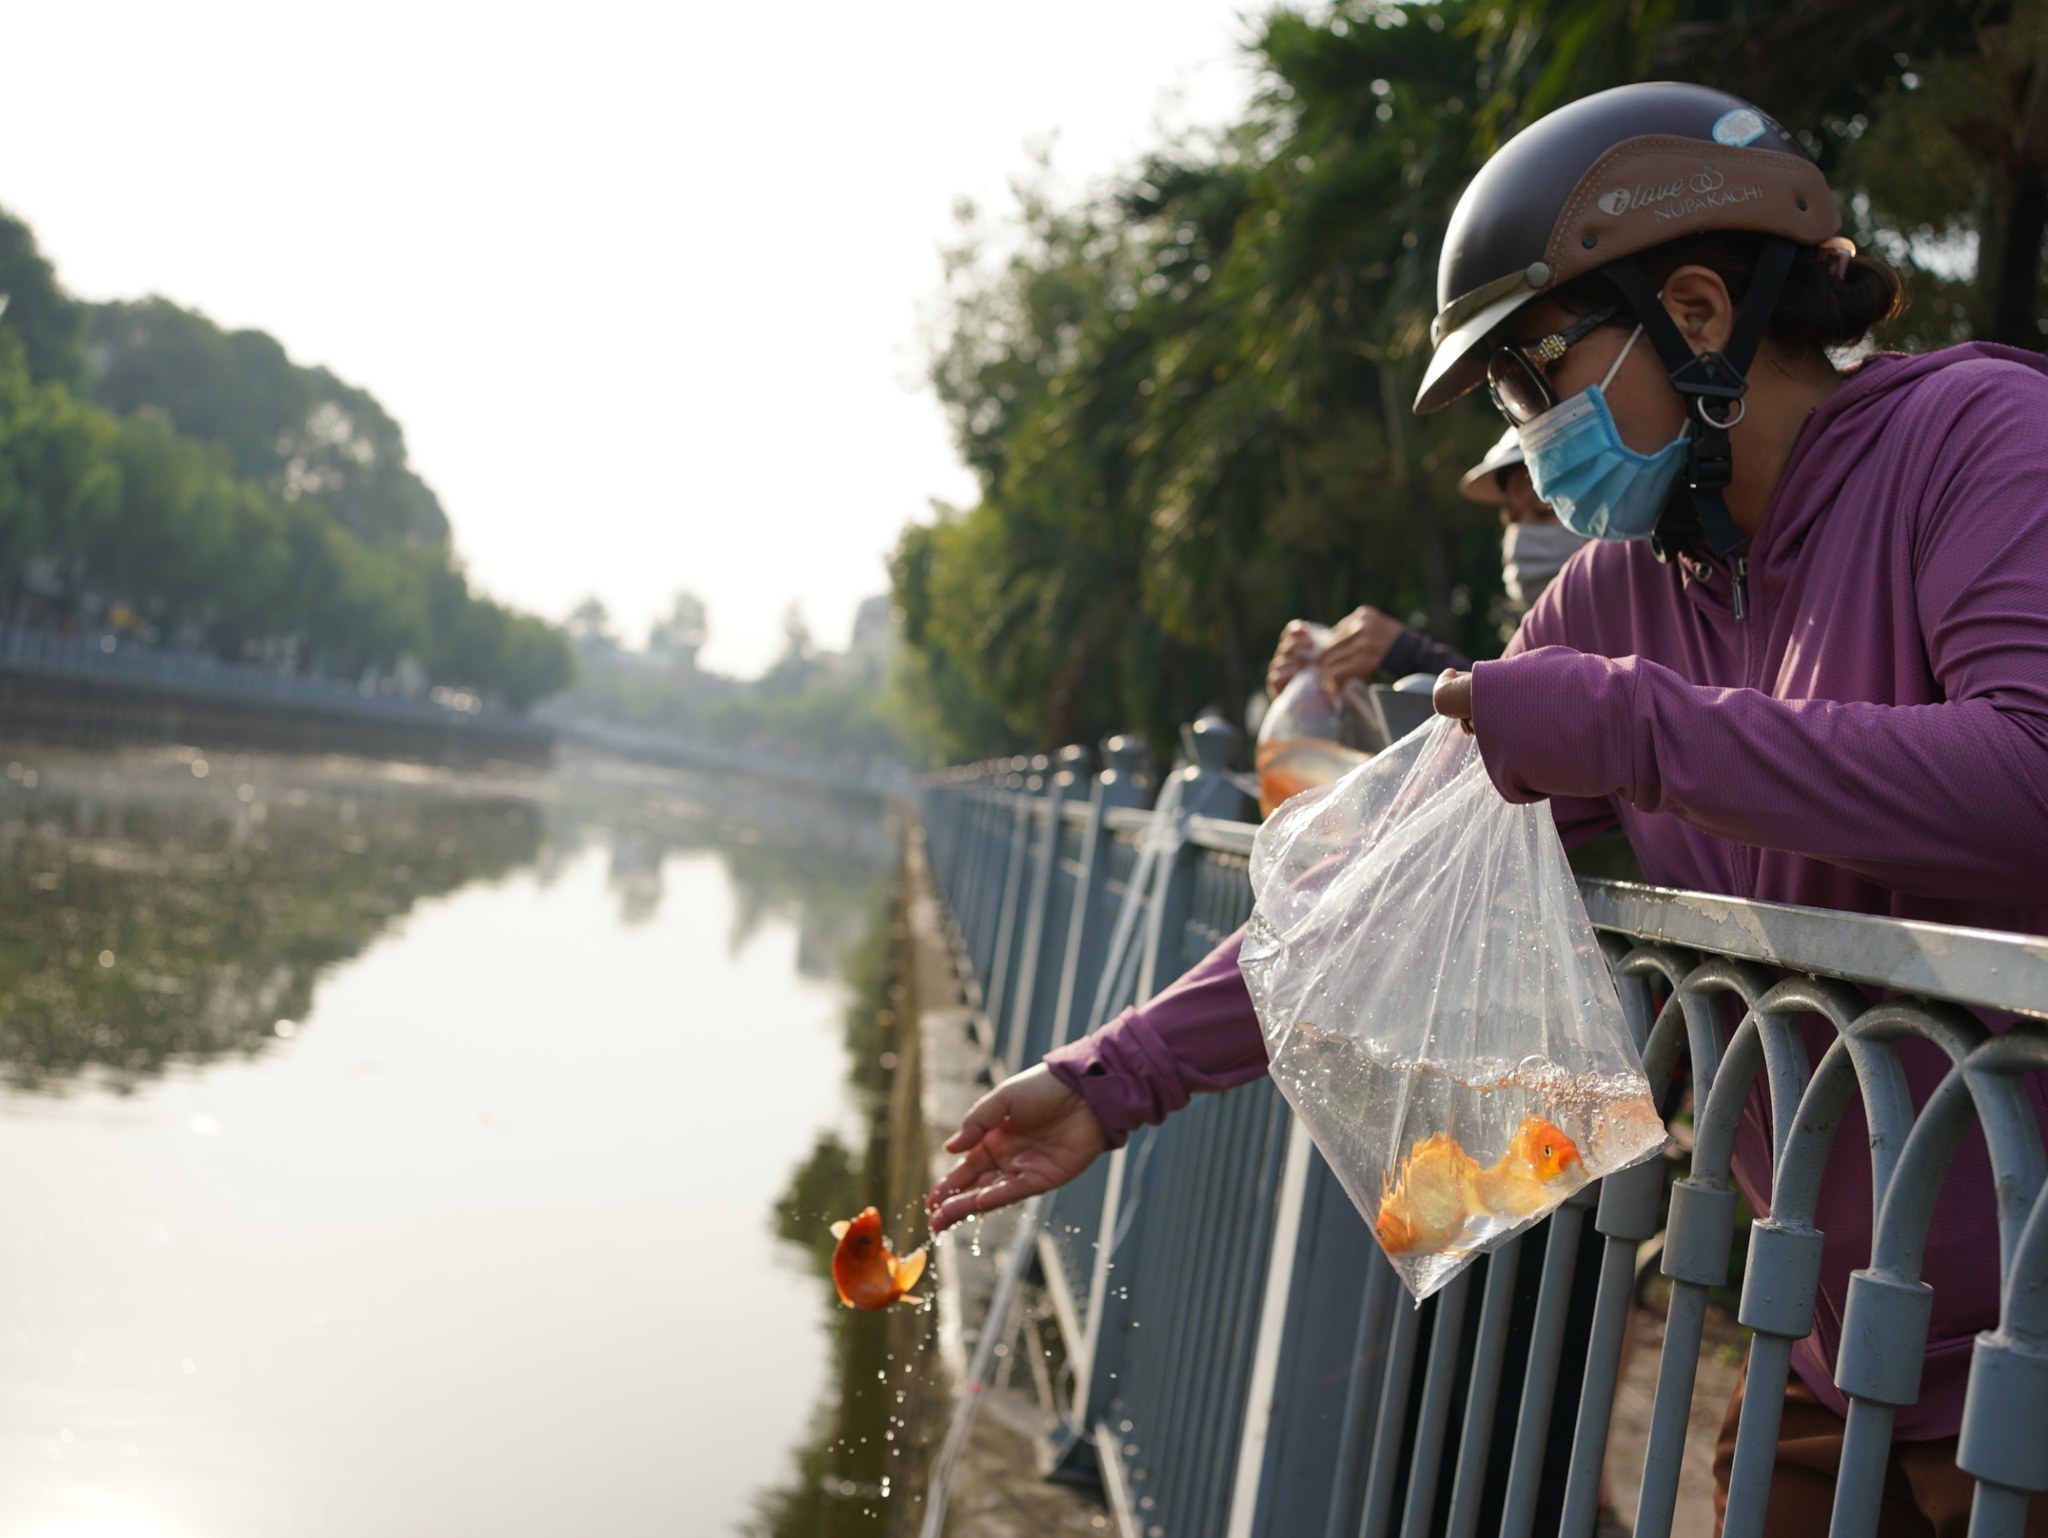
(1436, 1008)
(1307, 739)
(1360, 1088)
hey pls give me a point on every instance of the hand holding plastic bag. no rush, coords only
(1435, 1006)
(1307, 739)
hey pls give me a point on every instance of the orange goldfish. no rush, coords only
(1538, 1156)
(866, 1271)
(1441, 1188)
(1437, 1190)
(1291, 765)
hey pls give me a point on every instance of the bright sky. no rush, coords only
(641, 281)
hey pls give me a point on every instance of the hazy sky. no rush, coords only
(642, 282)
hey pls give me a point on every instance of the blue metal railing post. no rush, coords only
(1067, 782)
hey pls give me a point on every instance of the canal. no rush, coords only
(391, 1151)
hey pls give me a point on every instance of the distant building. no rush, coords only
(872, 648)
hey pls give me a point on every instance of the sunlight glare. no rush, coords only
(106, 1527)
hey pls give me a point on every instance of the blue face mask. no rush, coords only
(1598, 486)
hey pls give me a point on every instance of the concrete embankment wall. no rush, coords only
(95, 711)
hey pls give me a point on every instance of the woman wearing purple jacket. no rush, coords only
(1803, 659)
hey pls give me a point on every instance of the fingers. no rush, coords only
(1350, 623)
(1348, 660)
(1296, 647)
(982, 1118)
(977, 1166)
(1000, 1191)
(970, 1204)
(1452, 697)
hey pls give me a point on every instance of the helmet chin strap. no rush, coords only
(1712, 385)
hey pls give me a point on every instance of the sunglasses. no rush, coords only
(1515, 375)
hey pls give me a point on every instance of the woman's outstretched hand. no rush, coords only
(1024, 1137)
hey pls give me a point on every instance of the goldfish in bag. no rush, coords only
(1435, 1006)
(1441, 1194)
(1306, 738)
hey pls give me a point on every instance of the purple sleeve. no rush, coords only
(1950, 799)
(1196, 1036)
(1578, 818)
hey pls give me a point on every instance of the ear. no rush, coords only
(1698, 303)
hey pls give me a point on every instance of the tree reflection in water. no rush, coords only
(861, 1470)
(157, 907)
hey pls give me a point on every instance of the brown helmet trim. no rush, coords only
(1657, 188)
(1649, 191)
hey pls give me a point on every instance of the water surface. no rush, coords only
(392, 1152)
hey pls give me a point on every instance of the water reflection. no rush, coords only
(476, 1239)
(858, 1472)
(792, 854)
(151, 914)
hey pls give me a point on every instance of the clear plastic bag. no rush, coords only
(1306, 739)
(1435, 1006)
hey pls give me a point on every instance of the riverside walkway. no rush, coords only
(1243, 1363)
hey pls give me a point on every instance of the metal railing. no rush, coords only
(1244, 1362)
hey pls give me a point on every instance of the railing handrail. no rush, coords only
(1984, 968)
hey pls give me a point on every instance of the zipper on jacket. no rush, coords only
(1741, 583)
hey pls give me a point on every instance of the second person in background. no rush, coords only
(1367, 642)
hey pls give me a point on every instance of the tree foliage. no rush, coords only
(299, 432)
(222, 497)
(1185, 397)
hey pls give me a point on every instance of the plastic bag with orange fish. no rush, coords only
(1435, 1006)
(1307, 739)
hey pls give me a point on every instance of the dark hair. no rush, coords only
(1815, 311)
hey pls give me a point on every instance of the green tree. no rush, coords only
(299, 431)
(49, 323)
(1187, 403)
(231, 498)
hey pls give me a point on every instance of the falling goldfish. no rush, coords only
(1441, 1188)
(866, 1271)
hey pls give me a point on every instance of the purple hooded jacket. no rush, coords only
(1874, 737)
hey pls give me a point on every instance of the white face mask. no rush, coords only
(1530, 555)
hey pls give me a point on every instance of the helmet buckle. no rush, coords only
(1711, 465)
(1709, 376)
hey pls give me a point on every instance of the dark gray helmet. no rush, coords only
(1591, 187)
(1608, 176)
